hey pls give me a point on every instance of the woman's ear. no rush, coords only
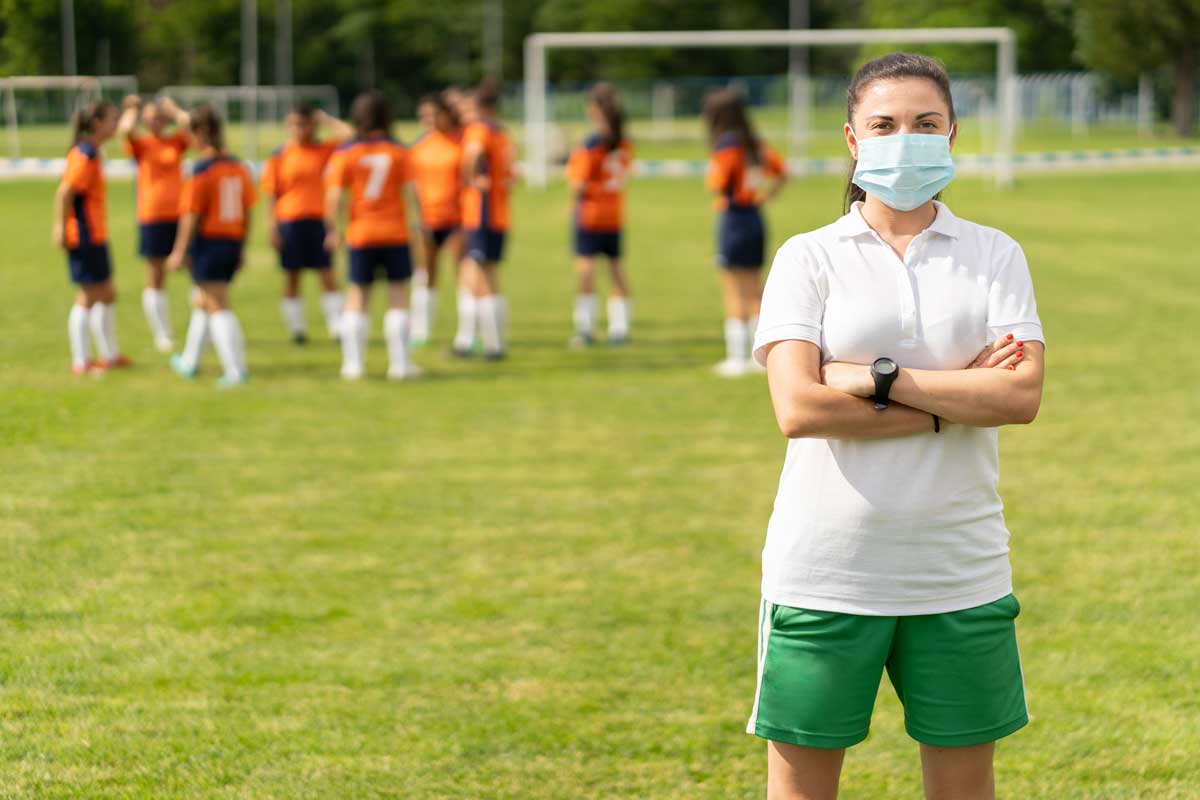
(851, 141)
(953, 134)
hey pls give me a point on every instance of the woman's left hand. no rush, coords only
(852, 379)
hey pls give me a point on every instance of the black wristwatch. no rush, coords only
(883, 372)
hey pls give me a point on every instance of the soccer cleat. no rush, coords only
(164, 344)
(300, 338)
(618, 341)
(232, 381)
(461, 352)
(405, 373)
(93, 367)
(181, 369)
(580, 341)
(120, 362)
(499, 355)
(731, 368)
(351, 374)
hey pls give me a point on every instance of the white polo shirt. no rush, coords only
(908, 525)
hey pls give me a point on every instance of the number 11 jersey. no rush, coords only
(219, 193)
(374, 171)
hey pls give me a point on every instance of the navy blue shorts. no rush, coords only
(215, 260)
(597, 243)
(440, 235)
(394, 260)
(485, 246)
(741, 238)
(302, 244)
(89, 264)
(156, 239)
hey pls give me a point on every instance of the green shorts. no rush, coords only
(958, 675)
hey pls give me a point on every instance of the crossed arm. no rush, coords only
(1002, 386)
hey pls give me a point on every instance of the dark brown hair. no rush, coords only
(371, 112)
(304, 109)
(725, 113)
(892, 67)
(441, 105)
(604, 97)
(487, 93)
(205, 119)
(86, 117)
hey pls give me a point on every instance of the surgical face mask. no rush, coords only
(903, 170)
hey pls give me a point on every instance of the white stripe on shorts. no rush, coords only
(764, 636)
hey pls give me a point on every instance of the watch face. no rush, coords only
(885, 366)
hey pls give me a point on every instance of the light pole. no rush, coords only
(798, 85)
(250, 75)
(493, 38)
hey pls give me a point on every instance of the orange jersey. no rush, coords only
(435, 165)
(294, 176)
(731, 174)
(86, 223)
(159, 175)
(374, 172)
(219, 193)
(489, 209)
(601, 171)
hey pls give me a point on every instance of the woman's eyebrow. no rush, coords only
(930, 114)
(881, 116)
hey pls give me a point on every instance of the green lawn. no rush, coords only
(538, 580)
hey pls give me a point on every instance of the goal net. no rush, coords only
(664, 113)
(38, 108)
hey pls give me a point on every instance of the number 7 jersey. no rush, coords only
(374, 172)
(219, 193)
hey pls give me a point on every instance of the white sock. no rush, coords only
(490, 324)
(502, 310)
(77, 334)
(354, 341)
(420, 312)
(431, 304)
(293, 314)
(620, 313)
(104, 330)
(156, 308)
(585, 314)
(331, 305)
(751, 329)
(229, 343)
(736, 345)
(468, 313)
(395, 333)
(197, 337)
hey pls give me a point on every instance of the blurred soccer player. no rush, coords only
(436, 169)
(81, 228)
(372, 169)
(215, 205)
(159, 157)
(487, 176)
(744, 173)
(293, 182)
(596, 172)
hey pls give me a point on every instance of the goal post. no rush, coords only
(76, 89)
(537, 46)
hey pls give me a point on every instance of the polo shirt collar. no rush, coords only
(853, 224)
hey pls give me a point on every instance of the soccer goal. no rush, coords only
(537, 46)
(37, 106)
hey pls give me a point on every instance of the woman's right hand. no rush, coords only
(1004, 353)
(59, 235)
(276, 238)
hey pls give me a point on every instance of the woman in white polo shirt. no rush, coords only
(887, 547)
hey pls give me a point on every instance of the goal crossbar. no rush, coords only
(537, 45)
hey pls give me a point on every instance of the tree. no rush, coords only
(1128, 37)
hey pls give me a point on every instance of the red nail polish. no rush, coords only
(1019, 354)
(1020, 344)
(1010, 336)
(1010, 366)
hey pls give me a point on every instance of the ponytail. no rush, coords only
(725, 113)
(206, 121)
(604, 97)
(85, 118)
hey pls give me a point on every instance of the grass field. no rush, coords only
(539, 579)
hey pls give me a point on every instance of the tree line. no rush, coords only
(409, 47)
